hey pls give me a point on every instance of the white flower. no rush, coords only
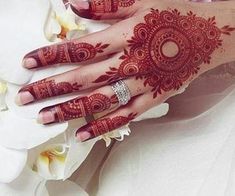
(63, 23)
(51, 151)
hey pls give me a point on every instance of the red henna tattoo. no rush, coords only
(102, 126)
(49, 88)
(193, 39)
(96, 8)
(70, 52)
(80, 107)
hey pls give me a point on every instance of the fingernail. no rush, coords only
(80, 4)
(29, 63)
(46, 117)
(23, 98)
(83, 136)
(81, 8)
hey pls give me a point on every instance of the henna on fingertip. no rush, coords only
(45, 89)
(94, 9)
(69, 52)
(102, 126)
(77, 108)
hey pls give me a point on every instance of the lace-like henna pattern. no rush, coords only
(80, 107)
(192, 38)
(97, 7)
(49, 88)
(70, 52)
(102, 126)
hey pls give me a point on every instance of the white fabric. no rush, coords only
(190, 152)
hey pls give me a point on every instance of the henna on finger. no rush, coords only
(102, 126)
(44, 89)
(93, 9)
(168, 49)
(76, 108)
(69, 52)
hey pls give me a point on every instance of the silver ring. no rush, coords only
(122, 91)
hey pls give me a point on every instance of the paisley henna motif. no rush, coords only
(70, 52)
(192, 40)
(80, 107)
(102, 126)
(99, 7)
(49, 88)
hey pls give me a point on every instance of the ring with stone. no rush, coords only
(122, 92)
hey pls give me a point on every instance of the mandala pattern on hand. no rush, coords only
(70, 52)
(81, 107)
(49, 88)
(102, 126)
(167, 49)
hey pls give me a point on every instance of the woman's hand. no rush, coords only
(158, 48)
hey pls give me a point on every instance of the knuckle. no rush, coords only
(84, 79)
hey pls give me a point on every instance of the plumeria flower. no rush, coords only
(63, 23)
(31, 152)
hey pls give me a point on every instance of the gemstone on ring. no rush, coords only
(122, 92)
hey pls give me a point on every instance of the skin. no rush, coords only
(156, 48)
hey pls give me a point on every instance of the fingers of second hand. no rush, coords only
(67, 52)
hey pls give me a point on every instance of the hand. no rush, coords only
(158, 48)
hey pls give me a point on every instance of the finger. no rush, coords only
(87, 48)
(98, 101)
(82, 78)
(104, 9)
(118, 118)
(78, 79)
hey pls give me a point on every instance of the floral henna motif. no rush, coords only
(191, 40)
(70, 52)
(97, 7)
(80, 107)
(102, 126)
(49, 88)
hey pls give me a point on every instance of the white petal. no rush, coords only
(94, 26)
(78, 151)
(64, 188)
(27, 184)
(52, 27)
(23, 24)
(50, 162)
(20, 133)
(12, 163)
(58, 6)
(155, 112)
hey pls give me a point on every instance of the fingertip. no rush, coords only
(82, 9)
(23, 98)
(83, 136)
(29, 63)
(46, 117)
(80, 4)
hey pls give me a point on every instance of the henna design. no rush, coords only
(49, 88)
(80, 107)
(70, 52)
(97, 7)
(193, 39)
(102, 126)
